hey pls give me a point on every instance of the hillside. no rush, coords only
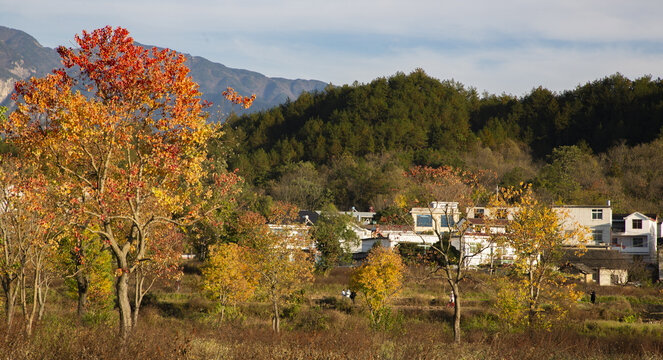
(21, 56)
(584, 146)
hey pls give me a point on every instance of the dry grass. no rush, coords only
(178, 323)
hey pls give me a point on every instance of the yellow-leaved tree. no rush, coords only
(378, 280)
(279, 254)
(540, 235)
(228, 275)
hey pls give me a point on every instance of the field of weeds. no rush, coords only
(177, 322)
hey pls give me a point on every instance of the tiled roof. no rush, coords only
(598, 258)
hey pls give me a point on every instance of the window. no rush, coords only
(444, 218)
(597, 214)
(424, 221)
(637, 224)
(478, 213)
(639, 242)
(597, 235)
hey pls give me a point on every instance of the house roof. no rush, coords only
(494, 222)
(598, 258)
(583, 206)
(383, 227)
(582, 268)
(623, 216)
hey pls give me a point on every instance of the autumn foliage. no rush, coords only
(234, 98)
(378, 280)
(121, 131)
(538, 237)
(229, 276)
(30, 227)
(271, 261)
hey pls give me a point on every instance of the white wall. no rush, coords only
(583, 216)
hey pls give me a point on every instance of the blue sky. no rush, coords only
(507, 46)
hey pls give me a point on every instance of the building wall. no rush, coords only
(609, 277)
(483, 250)
(436, 210)
(624, 241)
(595, 218)
(477, 212)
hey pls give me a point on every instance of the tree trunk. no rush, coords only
(134, 315)
(531, 318)
(83, 283)
(43, 293)
(138, 293)
(11, 290)
(123, 305)
(275, 318)
(137, 298)
(9, 308)
(30, 315)
(456, 315)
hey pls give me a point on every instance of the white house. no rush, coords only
(635, 234)
(390, 236)
(596, 218)
(439, 215)
(482, 250)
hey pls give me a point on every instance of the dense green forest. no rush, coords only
(348, 145)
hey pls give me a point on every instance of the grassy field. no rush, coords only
(177, 322)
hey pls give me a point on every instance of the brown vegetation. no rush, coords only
(182, 324)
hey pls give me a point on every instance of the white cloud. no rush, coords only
(511, 46)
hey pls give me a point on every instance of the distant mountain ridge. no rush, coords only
(21, 57)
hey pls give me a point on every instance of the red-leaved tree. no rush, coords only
(122, 132)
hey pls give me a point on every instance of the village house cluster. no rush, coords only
(614, 242)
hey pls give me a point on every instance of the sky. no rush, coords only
(508, 46)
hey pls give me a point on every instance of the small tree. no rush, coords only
(333, 239)
(228, 275)
(378, 280)
(87, 267)
(465, 189)
(538, 235)
(278, 255)
(29, 230)
(87, 270)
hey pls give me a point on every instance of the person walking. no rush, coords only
(452, 300)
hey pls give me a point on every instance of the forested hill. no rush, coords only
(402, 113)
(414, 119)
(601, 114)
(433, 121)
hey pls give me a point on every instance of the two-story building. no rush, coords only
(439, 217)
(480, 242)
(596, 218)
(635, 234)
(493, 213)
